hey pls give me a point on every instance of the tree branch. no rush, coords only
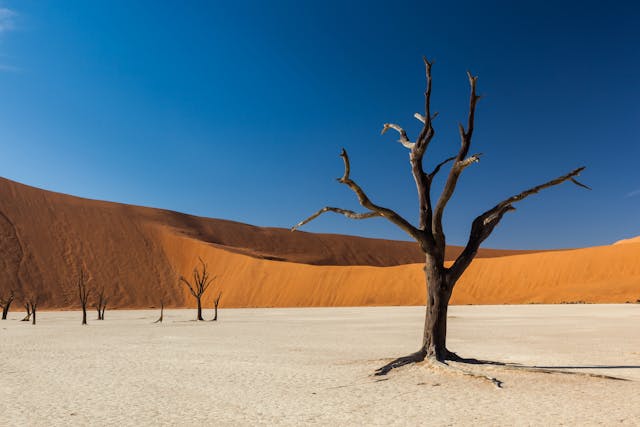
(439, 166)
(186, 282)
(484, 224)
(345, 212)
(404, 139)
(460, 164)
(364, 201)
(422, 118)
(422, 180)
(207, 283)
(426, 134)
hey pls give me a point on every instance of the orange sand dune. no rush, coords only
(46, 237)
(625, 241)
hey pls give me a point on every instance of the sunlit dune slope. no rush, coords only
(134, 252)
(625, 241)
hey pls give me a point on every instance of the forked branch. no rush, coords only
(363, 199)
(422, 180)
(439, 166)
(461, 162)
(200, 282)
(404, 139)
(484, 224)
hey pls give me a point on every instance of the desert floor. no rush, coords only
(313, 366)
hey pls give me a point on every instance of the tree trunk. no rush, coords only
(199, 309)
(84, 315)
(435, 323)
(161, 312)
(33, 313)
(215, 312)
(5, 310)
(27, 308)
(104, 307)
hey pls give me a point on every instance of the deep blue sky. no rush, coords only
(239, 109)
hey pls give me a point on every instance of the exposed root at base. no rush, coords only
(419, 356)
(416, 357)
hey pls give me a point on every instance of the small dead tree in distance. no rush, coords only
(27, 308)
(199, 284)
(165, 290)
(101, 302)
(5, 303)
(161, 311)
(215, 307)
(83, 294)
(31, 305)
(429, 234)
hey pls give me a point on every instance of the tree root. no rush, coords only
(416, 357)
(420, 356)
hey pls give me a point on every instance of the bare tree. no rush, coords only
(215, 307)
(161, 318)
(429, 233)
(101, 302)
(198, 285)
(165, 289)
(5, 303)
(27, 308)
(163, 298)
(83, 293)
(31, 304)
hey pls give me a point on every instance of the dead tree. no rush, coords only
(31, 305)
(6, 304)
(198, 285)
(83, 293)
(161, 311)
(165, 290)
(101, 302)
(215, 307)
(429, 233)
(27, 308)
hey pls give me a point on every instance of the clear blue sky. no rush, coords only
(239, 109)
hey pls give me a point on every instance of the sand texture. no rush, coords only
(134, 252)
(313, 366)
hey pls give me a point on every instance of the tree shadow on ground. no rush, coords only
(472, 361)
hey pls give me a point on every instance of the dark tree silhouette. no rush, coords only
(216, 302)
(83, 294)
(101, 302)
(429, 233)
(5, 303)
(198, 285)
(27, 308)
(161, 318)
(31, 304)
